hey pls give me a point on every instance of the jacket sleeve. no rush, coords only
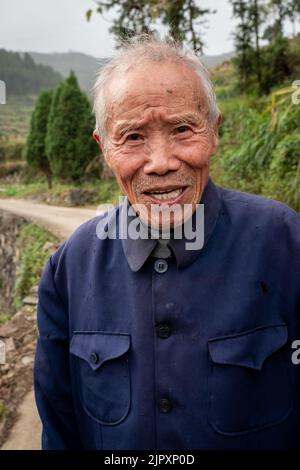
(52, 384)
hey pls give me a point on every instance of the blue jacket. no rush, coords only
(189, 352)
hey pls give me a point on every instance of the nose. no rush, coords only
(161, 159)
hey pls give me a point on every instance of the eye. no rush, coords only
(134, 136)
(182, 129)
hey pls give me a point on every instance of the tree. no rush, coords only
(261, 67)
(276, 67)
(276, 55)
(69, 143)
(256, 16)
(280, 10)
(23, 76)
(293, 13)
(182, 18)
(243, 42)
(35, 153)
(132, 16)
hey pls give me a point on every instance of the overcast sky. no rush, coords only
(61, 26)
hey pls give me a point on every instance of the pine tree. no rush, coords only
(35, 153)
(69, 143)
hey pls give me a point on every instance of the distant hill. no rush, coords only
(86, 66)
(211, 61)
(23, 76)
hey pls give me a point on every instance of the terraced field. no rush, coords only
(15, 116)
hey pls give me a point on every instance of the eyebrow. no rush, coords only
(187, 118)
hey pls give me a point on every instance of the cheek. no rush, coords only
(124, 164)
(196, 153)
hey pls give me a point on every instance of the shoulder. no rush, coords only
(86, 238)
(251, 204)
(271, 219)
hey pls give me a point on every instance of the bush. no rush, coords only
(11, 168)
(33, 258)
(11, 150)
(265, 157)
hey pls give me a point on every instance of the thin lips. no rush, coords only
(165, 189)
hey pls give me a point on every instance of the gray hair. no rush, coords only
(146, 47)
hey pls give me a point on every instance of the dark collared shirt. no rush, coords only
(189, 352)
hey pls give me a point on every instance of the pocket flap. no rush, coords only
(250, 348)
(99, 347)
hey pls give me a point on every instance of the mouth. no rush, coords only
(169, 195)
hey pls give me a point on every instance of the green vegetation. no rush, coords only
(3, 409)
(23, 76)
(105, 191)
(35, 152)
(14, 126)
(33, 257)
(260, 68)
(4, 317)
(259, 148)
(11, 150)
(15, 117)
(69, 144)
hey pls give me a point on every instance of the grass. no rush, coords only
(33, 257)
(22, 190)
(105, 191)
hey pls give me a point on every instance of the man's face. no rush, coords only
(159, 141)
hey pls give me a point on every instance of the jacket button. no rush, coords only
(163, 330)
(164, 405)
(94, 358)
(160, 266)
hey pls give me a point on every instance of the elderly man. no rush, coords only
(148, 342)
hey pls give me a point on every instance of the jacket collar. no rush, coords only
(137, 251)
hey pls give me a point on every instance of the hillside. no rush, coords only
(15, 116)
(211, 61)
(86, 66)
(23, 76)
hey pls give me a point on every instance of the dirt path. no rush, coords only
(26, 433)
(62, 221)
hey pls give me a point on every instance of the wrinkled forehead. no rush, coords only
(152, 85)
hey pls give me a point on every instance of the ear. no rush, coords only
(218, 122)
(97, 139)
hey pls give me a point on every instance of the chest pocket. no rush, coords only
(102, 374)
(249, 383)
